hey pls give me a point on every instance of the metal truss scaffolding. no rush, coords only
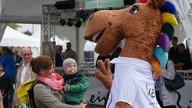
(49, 19)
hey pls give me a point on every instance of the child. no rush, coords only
(75, 83)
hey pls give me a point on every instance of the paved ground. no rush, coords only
(95, 106)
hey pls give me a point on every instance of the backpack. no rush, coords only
(22, 91)
(25, 93)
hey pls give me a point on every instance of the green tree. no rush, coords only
(14, 25)
(28, 33)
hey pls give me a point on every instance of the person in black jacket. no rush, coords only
(59, 56)
(174, 51)
(5, 83)
(184, 57)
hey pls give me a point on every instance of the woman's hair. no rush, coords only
(41, 62)
(181, 45)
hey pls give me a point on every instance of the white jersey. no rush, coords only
(133, 83)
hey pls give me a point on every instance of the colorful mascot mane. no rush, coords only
(147, 28)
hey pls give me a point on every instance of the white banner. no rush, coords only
(96, 93)
(186, 95)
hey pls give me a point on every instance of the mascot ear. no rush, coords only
(155, 3)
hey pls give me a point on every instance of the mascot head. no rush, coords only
(108, 27)
(140, 24)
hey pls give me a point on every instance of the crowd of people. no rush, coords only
(180, 55)
(16, 69)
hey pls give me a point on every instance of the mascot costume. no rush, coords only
(147, 28)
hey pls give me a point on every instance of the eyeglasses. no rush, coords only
(1, 70)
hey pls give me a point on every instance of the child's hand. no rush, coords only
(65, 88)
(83, 104)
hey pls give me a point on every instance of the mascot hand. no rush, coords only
(104, 73)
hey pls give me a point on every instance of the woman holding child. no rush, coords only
(49, 93)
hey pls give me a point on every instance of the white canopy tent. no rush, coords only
(185, 15)
(17, 40)
(62, 40)
(89, 46)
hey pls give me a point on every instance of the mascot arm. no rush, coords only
(104, 73)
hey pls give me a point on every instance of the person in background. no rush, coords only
(115, 54)
(24, 72)
(59, 56)
(169, 98)
(8, 64)
(100, 57)
(1, 102)
(174, 51)
(184, 59)
(49, 93)
(17, 57)
(69, 53)
(75, 83)
(5, 83)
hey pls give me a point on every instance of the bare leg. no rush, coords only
(122, 105)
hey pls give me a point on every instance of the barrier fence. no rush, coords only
(185, 74)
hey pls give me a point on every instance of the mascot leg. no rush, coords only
(122, 105)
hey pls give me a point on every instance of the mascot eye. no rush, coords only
(134, 10)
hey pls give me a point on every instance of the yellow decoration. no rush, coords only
(169, 18)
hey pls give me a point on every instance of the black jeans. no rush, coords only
(11, 91)
(158, 99)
